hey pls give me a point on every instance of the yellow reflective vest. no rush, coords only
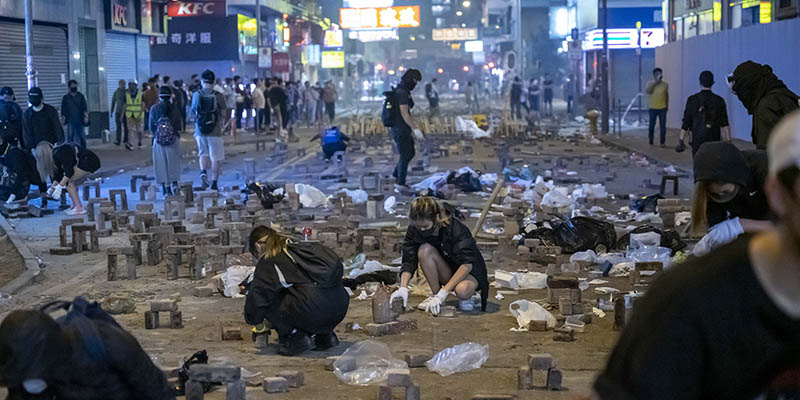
(133, 106)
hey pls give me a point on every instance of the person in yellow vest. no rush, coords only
(658, 102)
(133, 114)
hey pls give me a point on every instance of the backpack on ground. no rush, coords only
(165, 132)
(82, 315)
(387, 111)
(320, 263)
(9, 122)
(207, 112)
(331, 136)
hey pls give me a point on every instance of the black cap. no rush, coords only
(6, 90)
(35, 92)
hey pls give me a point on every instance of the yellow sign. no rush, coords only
(332, 59)
(765, 12)
(334, 38)
(384, 17)
(455, 34)
(455, 46)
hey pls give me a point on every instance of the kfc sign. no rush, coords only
(121, 15)
(197, 8)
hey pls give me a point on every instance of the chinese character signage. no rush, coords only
(280, 62)
(265, 57)
(332, 59)
(334, 38)
(122, 15)
(311, 54)
(206, 8)
(386, 17)
(199, 38)
(373, 35)
(455, 34)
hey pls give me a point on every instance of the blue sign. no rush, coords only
(197, 39)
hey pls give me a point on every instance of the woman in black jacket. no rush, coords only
(18, 173)
(443, 247)
(283, 296)
(67, 165)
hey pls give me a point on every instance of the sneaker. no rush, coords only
(129, 146)
(324, 342)
(204, 181)
(401, 188)
(75, 211)
(681, 147)
(117, 143)
(466, 305)
(294, 344)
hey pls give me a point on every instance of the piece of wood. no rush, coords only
(488, 205)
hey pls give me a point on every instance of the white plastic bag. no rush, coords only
(433, 182)
(531, 280)
(459, 358)
(588, 256)
(651, 254)
(488, 179)
(644, 239)
(526, 311)
(310, 196)
(359, 196)
(555, 199)
(370, 266)
(389, 203)
(366, 363)
(232, 277)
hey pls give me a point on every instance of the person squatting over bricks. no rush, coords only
(67, 165)
(296, 290)
(443, 247)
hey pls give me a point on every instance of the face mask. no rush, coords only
(723, 197)
(34, 386)
(427, 233)
(73, 89)
(35, 100)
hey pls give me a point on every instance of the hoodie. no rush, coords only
(722, 161)
(764, 96)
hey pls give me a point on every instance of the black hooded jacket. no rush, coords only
(722, 161)
(765, 96)
(456, 244)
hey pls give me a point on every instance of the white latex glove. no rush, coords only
(418, 134)
(50, 190)
(401, 293)
(57, 191)
(436, 301)
(720, 234)
(11, 198)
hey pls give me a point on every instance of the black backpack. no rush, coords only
(321, 264)
(207, 112)
(10, 122)
(82, 315)
(703, 123)
(388, 109)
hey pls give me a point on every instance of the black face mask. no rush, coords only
(73, 89)
(427, 233)
(410, 84)
(35, 100)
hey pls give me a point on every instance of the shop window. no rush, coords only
(689, 26)
(706, 23)
(678, 29)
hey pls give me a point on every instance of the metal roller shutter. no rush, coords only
(120, 63)
(50, 57)
(143, 58)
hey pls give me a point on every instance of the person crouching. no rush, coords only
(332, 140)
(296, 290)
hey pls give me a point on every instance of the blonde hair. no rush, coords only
(266, 242)
(699, 224)
(426, 208)
(44, 160)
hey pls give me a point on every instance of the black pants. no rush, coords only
(331, 109)
(239, 112)
(122, 128)
(516, 111)
(662, 119)
(260, 117)
(569, 104)
(405, 146)
(308, 309)
(329, 149)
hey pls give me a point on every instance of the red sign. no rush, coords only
(120, 13)
(280, 62)
(197, 8)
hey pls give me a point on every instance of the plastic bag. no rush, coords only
(366, 363)
(310, 196)
(488, 179)
(578, 234)
(651, 254)
(531, 280)
(359, 196)
(370, 266)
(433, 182)
(232, 277)
(589, 256)
(526, 311)
(469, 126)
(460, 358)
(466, 182)
(669, 238)
(555, 199)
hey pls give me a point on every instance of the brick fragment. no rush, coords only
(163, 305)
(231, 333)
(295, 379)
(540, 361)
(417, 360)
(276, 385)
(554, 376)
(412, 392)
(214, 373)
(398, 377)
(524, 378)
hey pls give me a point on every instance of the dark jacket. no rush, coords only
(20, 173)
(721, 161)
(118, 101)
(764, 96)
(68, 156)
(456, 244)
(73, 108)
(160, 109)
(11, 112)
(40, 126)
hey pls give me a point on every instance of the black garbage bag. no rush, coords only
(646, 204)
(432, 193)
(465, 182)
(264, 193)
(577, 234)
(669, 238)
(200, 357)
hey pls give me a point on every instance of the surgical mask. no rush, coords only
(34, 100)
(34, 386)
(73, 89)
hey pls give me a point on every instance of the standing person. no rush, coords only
(515, 95)
(310, 98)
(547, 87)
(149, 99)
(743, 343)
(443, 247)
(240, 95)
(533, 94)
(403, 125)
(658, 101)
(320, 104)
(74, 114)
(432, 94)
(330, 96)
(260, 103)
(40, 122)
(10, 118)
(296, 290)
(278, 102)
(469, 93)
(118, 109)
(134, 114)
(230, 99)
(180, 101)
(67, 165)
(764, 96)
(705, 117)
(165, 123)
(208, 107)
(569, 92)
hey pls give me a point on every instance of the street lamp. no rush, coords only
(459, 13)
(466, 4)
(441, 71)
(466, 68)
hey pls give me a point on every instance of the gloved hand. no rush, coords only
(260, 330)
(11, 198)
(418, 134)
(720, 234)
(57, 191)
(401, 293)
(435, 302)
(50, 190)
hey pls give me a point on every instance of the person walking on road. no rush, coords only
(230, 100)
(432, 94)
(208, 107)
(118, 109)
(330, 96)
(515, 96)
(75, 114)
(658, 102)
(705, 117)
(134, 114)
(404, 128)
(165, 123)
(259, 103)
(547, 87)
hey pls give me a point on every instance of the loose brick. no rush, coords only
(295, 379)
(412, 392)
(539, 378)
(537, 326)
(554, 377)
(61, 251)
(203, 291)
(540, 361)
(398, 377)
(276, 385)
(150, 320)
(385, 393)
(214, 373)
(163, 305)
(231, 333)
(417, 360)
(524, 378)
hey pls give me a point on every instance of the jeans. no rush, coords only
(262, 112)
(569, 105)
(239, 112)
(76, 135)
(405, 146)
(122, 130)
(331, 109)
(662, 119)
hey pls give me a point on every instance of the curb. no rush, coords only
(32, 269)
(623, 147)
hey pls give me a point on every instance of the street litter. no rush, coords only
(460, 358)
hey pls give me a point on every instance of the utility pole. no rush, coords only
(639, 55)
(604, 103)
(258, 36)
(30, 71)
